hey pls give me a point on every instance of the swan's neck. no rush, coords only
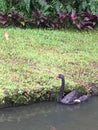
(60, 96)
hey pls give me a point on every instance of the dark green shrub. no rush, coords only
(47, 7)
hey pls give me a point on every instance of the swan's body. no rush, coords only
(71, 98)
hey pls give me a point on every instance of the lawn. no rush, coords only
(31, 58)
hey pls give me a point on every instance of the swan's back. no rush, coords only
(70, 97)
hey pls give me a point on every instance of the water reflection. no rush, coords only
(51, 116)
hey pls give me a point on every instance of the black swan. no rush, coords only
(73, 97)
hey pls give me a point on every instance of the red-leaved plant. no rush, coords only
(58, 20)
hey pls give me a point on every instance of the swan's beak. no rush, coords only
(57, 76)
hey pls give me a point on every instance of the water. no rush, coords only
(51, 116)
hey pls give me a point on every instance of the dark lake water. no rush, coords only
(51, 116)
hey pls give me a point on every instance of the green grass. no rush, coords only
(31, 58)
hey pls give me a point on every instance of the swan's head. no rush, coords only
(61, 76)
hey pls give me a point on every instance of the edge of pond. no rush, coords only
(19, 97)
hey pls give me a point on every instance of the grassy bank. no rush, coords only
(30, 59)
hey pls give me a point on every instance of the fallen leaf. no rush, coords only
(6, 35)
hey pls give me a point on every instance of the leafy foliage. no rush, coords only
(3, 5)
(49, 13)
